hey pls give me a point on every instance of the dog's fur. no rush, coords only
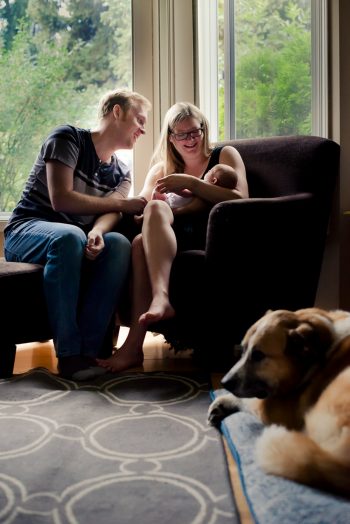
(294, 375)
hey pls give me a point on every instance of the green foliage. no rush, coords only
(10, 12)
(273, 69)
(120, 56)
(57, 58)
(34, 97)
(95, 32)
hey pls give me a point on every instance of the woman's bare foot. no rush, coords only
(121, 360)
(160, 309)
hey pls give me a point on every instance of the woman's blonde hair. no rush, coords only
(165, 152)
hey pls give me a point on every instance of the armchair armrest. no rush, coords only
(235, 223)
(266, 253)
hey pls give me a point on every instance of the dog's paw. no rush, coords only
(221, 407)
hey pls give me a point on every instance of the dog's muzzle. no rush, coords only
(243, 388)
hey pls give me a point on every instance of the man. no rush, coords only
(74, 196)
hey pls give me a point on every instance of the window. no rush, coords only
(57, 59)
(267, 63)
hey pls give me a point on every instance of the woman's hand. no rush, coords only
(175, 183)
(95, 244)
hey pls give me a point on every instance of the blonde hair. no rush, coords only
(165, 152)
(125, 99)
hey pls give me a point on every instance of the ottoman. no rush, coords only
(24, 316)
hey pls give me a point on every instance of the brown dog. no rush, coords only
(297, 365)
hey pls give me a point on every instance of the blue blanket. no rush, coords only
(271, 499)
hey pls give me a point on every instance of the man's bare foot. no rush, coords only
(158, 310)
(121, 360)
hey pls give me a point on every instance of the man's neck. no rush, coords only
(104, 149)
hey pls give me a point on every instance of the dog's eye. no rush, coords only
(257, 355)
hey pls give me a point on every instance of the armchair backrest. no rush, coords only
(281, 166)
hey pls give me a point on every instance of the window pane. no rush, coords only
(56, 60)
(272, 90)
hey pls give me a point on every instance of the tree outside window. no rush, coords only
(57, 58)
(272, 89)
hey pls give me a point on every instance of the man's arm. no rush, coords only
(63, 197)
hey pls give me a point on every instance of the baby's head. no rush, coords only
(222, 175)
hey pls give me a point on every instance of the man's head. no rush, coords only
(123, 98)
(124, 115)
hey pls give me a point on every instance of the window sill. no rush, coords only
(3, 221)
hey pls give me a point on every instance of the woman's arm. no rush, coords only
(152, 176)
(210, 192)
(95, 243)
(196, 205)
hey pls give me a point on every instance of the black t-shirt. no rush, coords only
(73, 147)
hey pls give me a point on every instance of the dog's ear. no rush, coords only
(308, 342)
(268, 311)
(298, 340)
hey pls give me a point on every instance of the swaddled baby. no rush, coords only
(221, 175)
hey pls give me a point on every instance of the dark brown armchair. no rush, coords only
(261, 253)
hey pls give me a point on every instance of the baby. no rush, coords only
(221, 175)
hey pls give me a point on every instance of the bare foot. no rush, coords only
(122, 360)
(158, 310)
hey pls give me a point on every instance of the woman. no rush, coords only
(181, 159)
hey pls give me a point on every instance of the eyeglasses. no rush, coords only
(190, 134)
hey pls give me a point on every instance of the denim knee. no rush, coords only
(70, 243)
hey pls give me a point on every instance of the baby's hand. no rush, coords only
(158, 196)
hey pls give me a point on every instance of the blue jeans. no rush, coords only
(81, 295)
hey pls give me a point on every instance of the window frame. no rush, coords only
(163, 66)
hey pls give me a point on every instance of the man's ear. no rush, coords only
(117, 110)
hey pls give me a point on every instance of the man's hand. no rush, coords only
(131, 206)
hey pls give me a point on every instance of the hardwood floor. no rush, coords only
(158, 356)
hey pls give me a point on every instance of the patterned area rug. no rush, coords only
(130, 448)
